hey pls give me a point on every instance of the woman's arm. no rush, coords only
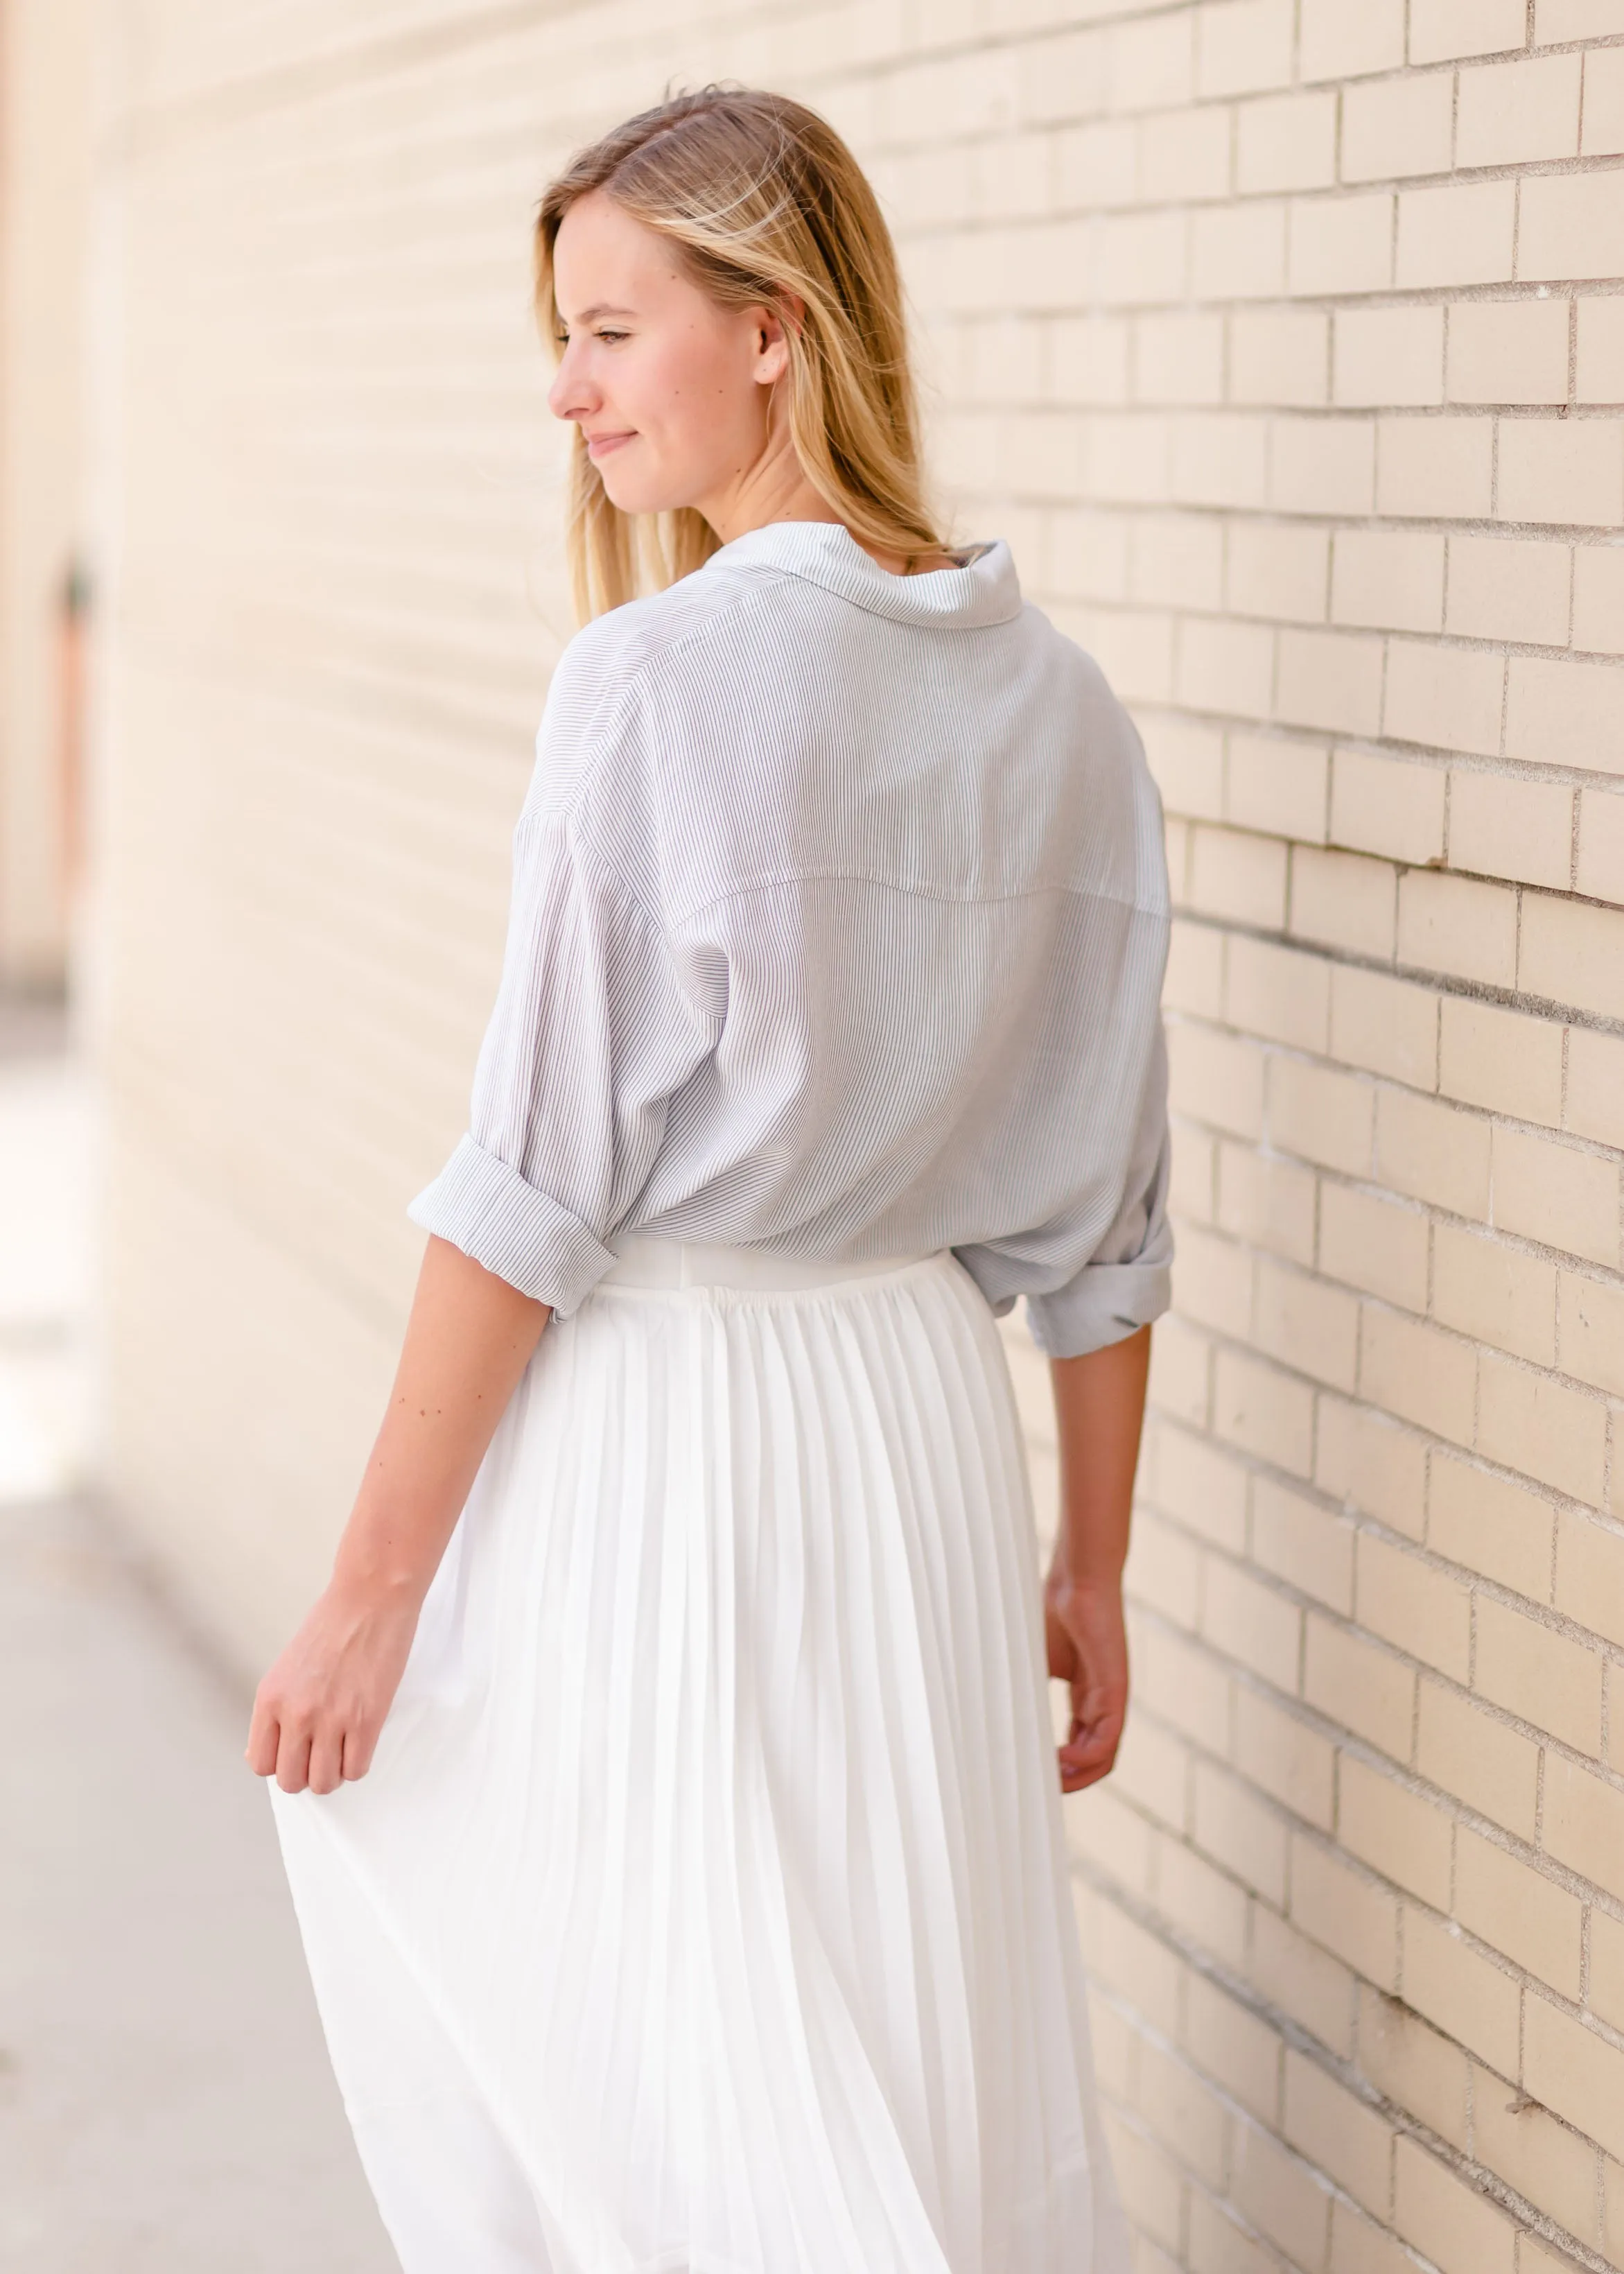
(1100, 1408)
(469, 1337)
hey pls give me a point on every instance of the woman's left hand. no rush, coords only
(1087, 1646)
(318, 1713)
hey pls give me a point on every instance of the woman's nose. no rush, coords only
(570, 396)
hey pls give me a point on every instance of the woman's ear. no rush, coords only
(772, 342)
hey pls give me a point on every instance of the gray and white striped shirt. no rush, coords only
(839, 920)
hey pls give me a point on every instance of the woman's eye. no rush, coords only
(611, 335)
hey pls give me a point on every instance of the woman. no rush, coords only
(701, 1906)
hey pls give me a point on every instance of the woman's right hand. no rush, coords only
(318, 1713)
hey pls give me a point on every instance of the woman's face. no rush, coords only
(670, 391)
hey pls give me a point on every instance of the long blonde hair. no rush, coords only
(766, 202)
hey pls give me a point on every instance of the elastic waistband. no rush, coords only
(649, 1259)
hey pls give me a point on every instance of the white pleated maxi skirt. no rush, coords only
(705, 1909)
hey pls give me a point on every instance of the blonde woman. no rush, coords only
(666, 1778)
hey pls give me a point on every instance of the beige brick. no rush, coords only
(1420, 1374)
(1500, 1294)
(1316, 1990)
(1278, 357)
(1413, 1605)
(1234, 2046)
(1270, 1202)
(1517, 1910)
(1595, 1104)
(1604, 102)
(1340, 245)
(1263, 1411)
(1575, 2073)
(1384, 1025)
(1388, 357)
(1477, 1758)
(1388, 806)
(1600, 871)
(1338, 2133)
(1178, 358)
(1182, 155)
(1341, 899)
(1089, 360)
(1238, 251)
(1509, 828)
(1338, 42)
(1149, 2181)
(1502, 590)
(1542, 1429)
(1278, 784)
(1593, 1332)
(1598, 597)
(1286, 142)
(1358, 2246)
(1508, 351)
(1448, 2222)
(1509, 113)
(1436, 468)
(1251, 1621)
(1144, 1974)
(1448, 698)
(1279, 570)
(1346, 1910)
(1398, 127)
(1442, 29)
(1360, 1685)
(1368, 1460)
(1388, 579)
(1456, 234)
(1214, 1280)
(1239, 876)
(1278, 992)
(1329, 679)
(1184, 2113)
(1539, 1674)
(1561, 470)
(1606, 1996)
(1464, 1993)
(1570, 225)
(1306, 1324)
(1322, 466)
(1558, 20)
(1152, 63)
(1241, 1833)
(1544, 2161)
(1431, 1152)
(1599, 375)
(1500, 1059)
(1180, 1367)
(1191, 1184)
(1589, 1575)
(1283, 1756)
(1153, 1771)
(1322, 1116)
(1282, 2198)
(1396, 1831)
(1572, 952)
(1583, 1823)
(1301, 1543)
(1186, 759)
(1202, 1903)
(1216, 1077)
(1457, 925)
(1408, 2061)
(1243, 46)
(1557, 1195)
(1375, 1244)
(1225, 666)
(1489, 1525)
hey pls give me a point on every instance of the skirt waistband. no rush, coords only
(650, 1259)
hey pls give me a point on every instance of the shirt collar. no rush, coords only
(986, 590)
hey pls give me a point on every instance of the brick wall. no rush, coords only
(1286, 344)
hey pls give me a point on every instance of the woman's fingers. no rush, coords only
(264, 1732)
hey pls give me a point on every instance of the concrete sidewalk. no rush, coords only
(166, 2105)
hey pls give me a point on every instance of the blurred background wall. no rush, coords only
(1285, 341)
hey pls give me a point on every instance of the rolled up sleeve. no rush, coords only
(590, 1037)
(1127, 1283)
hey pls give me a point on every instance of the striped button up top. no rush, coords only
(839, 920)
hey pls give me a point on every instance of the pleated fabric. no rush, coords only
(712, 1855)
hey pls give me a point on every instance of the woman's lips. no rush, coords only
(598, 446)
